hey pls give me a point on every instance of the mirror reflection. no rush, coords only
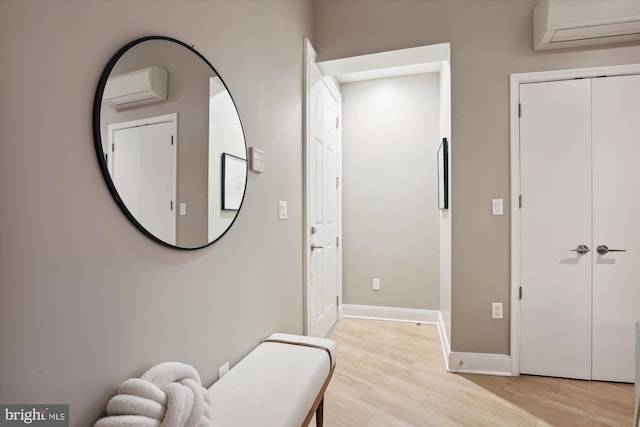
(170, 142)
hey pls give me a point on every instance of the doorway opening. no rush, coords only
(398, 68)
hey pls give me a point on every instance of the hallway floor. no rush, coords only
(393, 374)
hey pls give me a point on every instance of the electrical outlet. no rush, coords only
(496, 310)
(223, 370)
(376, 284)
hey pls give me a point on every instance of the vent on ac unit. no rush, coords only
(136, 88)
(570, 23)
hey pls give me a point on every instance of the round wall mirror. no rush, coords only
(170, 143)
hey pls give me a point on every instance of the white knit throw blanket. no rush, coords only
(168, 395)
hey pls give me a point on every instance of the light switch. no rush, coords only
(282, 209)
(497, 206)
(183, 209)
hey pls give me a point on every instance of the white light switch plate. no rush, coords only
(282, 209)
(497, 206)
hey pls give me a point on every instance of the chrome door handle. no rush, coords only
(603, 250)
(314, 246)
(581, 249)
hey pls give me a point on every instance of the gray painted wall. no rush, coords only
(489, 40)
(87, 301)
(390, 214)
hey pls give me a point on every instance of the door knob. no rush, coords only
(581, 249)
(314, 246)
(603, 250)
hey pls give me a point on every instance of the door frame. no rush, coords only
(309, 65)
(515, 81)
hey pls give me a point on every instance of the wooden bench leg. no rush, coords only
(320, 413)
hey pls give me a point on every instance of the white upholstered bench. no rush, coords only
(280, 383)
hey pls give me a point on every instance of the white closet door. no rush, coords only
(616, 224)
(143, 171)
(580, 180)
(555, 168)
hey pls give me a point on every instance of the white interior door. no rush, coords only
(142, 167)
(579, 155)
(616, 224)
(555, 322)
(323, 203)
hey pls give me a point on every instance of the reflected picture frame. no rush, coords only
(443, 174)
(234, 171)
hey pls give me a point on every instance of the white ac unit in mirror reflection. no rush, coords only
(135, 88)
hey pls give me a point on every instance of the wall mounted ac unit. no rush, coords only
(136, 88)
(569, 23)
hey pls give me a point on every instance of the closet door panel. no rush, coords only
(555, 135)
(616, 224)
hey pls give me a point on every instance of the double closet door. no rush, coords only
(142, 165)
(580, 227)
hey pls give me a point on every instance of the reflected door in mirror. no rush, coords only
(143, 168)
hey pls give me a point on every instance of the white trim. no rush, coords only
(515, 82)
(479, 363)
(422, 59)
(444, 341)
(309, 59)
(391, 313)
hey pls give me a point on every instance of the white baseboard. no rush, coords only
(391, 313)
(472, 363)
(479, 363)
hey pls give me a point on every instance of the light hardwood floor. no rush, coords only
(393, 374)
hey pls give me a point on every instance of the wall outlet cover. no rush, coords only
(496, 310)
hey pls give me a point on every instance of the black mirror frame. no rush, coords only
(97, 138)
